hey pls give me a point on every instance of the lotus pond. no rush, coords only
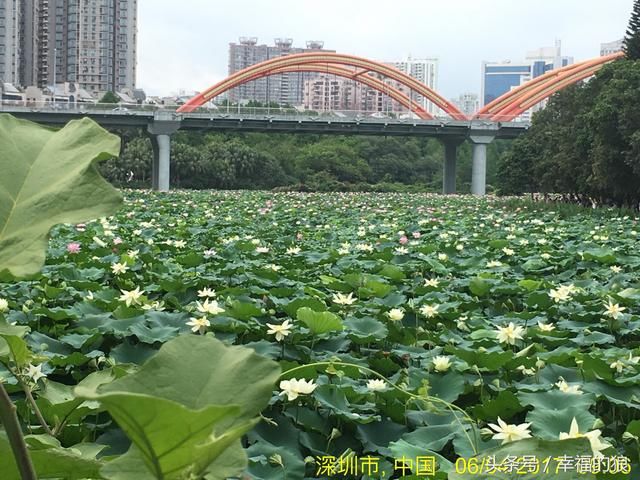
(418, 336)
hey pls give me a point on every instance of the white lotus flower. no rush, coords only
(429, 311)
(546, 327)
(293, 388)
(510, 433)
(593, 436)
(559, 295)
(618, 366)
(35, 372)
(4, 305)
(441, 363)
(510, 334)
(209, 253)
(131, 297)
(563, 386)
(207, 292)
(395, 314)
(118, 268)
(342, 299)
(376, 385)
(614, 310)
(199, 324)
(210, 308)
(280, 331)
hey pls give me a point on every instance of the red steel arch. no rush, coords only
(519, 100)
(297, 60)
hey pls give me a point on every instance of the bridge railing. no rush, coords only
(248, 112)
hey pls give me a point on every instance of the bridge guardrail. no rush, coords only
(261, 113)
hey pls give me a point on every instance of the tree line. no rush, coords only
(294, 161)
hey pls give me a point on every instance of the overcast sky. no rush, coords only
(184, 44)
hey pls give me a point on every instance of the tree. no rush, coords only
(632, 38)
(109, 97)
(585, 143)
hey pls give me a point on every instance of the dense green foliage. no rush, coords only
(109, 97)
(585, 143)
(632, 38)
(416, 320)
(300, 162)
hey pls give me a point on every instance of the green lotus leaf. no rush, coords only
(49, 177)
(541, 449)
(50, 461)
(319, 322)
(188, 403)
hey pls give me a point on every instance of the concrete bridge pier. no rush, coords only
(449, 168)
(160, 131)
(479, 142)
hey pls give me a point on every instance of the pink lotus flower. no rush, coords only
(73, 247)
(403, 240)
(416, 234)
(117, 241)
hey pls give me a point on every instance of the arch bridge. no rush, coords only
(371, 73)
(495, 120)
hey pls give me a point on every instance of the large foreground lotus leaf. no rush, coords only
(173, 441)
(49, 177)
(131, 466)
(187, 405)
(50, 461)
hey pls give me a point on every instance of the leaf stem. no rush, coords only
(14, 433)
(36, 410)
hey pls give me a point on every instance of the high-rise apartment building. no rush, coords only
(10, 38)
(331, 93)
(424, 70)
(611, 47)
(468, 103)
(287, 88)
(88, 42)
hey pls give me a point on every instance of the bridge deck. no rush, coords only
(267, 122)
